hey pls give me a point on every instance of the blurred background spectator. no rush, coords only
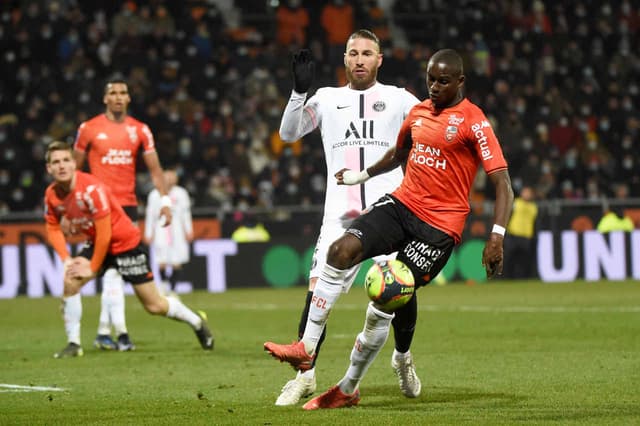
(558, 80)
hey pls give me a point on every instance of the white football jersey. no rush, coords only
(169, 242)
(358, 127)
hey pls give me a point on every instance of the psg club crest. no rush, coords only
(379, 106)
(450, 133)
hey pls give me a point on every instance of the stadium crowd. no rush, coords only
(559, 80)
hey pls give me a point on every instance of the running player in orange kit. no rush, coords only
(112, 241)
(111, 142)
(441, 143)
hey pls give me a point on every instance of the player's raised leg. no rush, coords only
(172, 308)
(300, 354)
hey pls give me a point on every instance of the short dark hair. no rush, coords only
(114, 81)
(451, 58)
(57, 146)
(362, 33)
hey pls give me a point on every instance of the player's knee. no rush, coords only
(155, 307)
(345, 252)
(72, 286)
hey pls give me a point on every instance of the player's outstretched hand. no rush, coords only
(350, 177)
(340, 176)
(492, 255)
(303, 69)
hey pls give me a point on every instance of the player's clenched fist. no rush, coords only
(303, 69)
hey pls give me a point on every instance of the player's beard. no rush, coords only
(364, 82)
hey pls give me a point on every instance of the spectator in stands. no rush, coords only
(292, 21)
(519, 241)
(337, 20)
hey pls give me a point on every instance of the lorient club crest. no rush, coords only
(450, 133)
(133, 133)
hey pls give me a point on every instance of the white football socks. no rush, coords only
(112, 303)
(367, 346)
(309, 374)
(71, 314)
(179, 311)
(400, 356)
(325, 295)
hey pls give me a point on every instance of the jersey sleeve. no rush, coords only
(148, 143)
(186, 213)
(484, 142)
(151, 214)
(403, 140)
(409, 102)
(82, 137)
(299, 119)
(49, 213)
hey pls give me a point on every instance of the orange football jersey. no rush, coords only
(447, 147)
(89, 200)
(113, 148)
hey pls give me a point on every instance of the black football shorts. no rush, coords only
(388, 226)
(133, 264)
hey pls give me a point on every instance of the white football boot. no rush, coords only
(408, 380)
(296, 389)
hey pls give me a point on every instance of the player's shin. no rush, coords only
(404, 324)
(366, 348)
(301, 328)
(113, 302)
(179, 311)
(325, 295)
(72, 314)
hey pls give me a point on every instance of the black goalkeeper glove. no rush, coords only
(303, 69)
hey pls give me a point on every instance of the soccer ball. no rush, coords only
(389, 284)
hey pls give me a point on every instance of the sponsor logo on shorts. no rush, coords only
(355, 232)
(421, 255)
(133, 265)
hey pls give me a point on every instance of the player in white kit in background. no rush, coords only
(358, 122)
(170, 244)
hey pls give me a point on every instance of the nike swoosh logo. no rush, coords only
(343, 106)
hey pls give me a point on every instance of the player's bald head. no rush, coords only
(450, 58)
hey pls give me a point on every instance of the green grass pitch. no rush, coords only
(494, 353)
